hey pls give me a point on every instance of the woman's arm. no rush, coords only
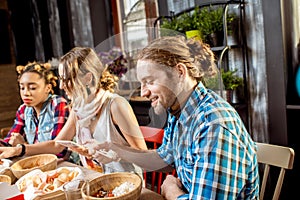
(18, 126)
(30, 149)
(67, 133)
(124, 117)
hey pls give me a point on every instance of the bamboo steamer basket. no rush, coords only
(9, 173)
(5, 178)
(111, 181)
(55, 195)
(44, 162)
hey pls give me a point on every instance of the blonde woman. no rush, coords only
(97, 113)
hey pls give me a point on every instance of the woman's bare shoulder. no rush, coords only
(119, 102)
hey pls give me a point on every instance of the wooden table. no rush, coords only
(146, 194)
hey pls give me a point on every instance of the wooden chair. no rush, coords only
(277, 156)
(4, 131)
(153, 137)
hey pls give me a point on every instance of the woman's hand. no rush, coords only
(81, 150)
(171, 188)
(16, 138)
(8, 152)
(101, 152)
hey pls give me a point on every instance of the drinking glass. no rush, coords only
(72, 189)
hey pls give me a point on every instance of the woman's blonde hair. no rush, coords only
(80, 61)
(42, 69)
(171, 50)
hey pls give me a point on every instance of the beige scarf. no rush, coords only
(86, 112)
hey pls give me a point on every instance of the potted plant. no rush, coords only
(186, 23)
(231, 83)
(233, 36)
(194, 30)
(206, 22)
(211, 25)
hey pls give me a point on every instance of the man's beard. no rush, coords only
(159, 109)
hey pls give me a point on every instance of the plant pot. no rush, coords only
(235, 97)
(215, 39)
(233, 36)
(231, 96)
(193, 34)
(226, 94)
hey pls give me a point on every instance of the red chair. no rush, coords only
(153, 137)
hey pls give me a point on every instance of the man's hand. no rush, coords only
(16, 138)
(101, 151)
(171, 188)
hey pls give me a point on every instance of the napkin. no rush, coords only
(10, 192)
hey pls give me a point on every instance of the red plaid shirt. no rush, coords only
(61, 113)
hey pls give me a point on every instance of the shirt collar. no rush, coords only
(199, 92)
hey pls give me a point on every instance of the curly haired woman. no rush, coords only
(43, 114)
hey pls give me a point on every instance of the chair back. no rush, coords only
(276, 156)
(4, 131)
(153, 137)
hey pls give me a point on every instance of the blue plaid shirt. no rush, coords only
(214, 155)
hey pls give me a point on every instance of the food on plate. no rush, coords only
(45, 182)
(101, 193)
(91, 165)
(117, 191)
(111, 181)
(4, 163)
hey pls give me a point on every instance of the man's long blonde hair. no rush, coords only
(171, 50)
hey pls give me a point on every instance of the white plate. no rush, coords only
(6, 163)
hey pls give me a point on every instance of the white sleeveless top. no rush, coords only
(105, 131)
